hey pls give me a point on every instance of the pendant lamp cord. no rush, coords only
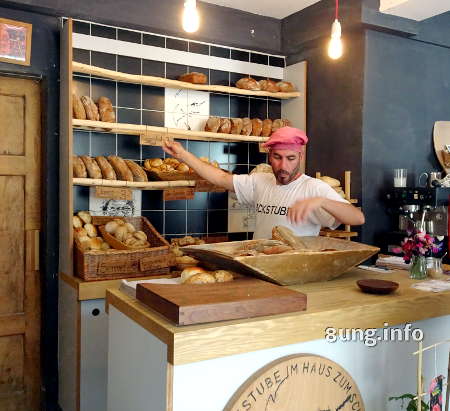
(337, 9)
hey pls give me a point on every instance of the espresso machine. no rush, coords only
(423, 208)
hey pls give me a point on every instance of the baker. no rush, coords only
(287, 197)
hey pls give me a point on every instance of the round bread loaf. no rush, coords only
(223, 276)
(190, 271)
(332, 182)
(200, 278)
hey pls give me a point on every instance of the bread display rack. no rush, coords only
(163, 82)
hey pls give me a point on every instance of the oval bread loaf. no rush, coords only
(79, 169)
(269, 85)
(213, 124)
(256, 127)
(120, 167)
(78, 108)
(85, 216)
(138, 173)
(266, 130)
(106, 110)
(225, 126)
(246, 126)
(236, 126)
(201, 278)
(92, 167)
(107, 169)
(248, 83)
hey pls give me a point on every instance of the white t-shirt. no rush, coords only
(272, 201)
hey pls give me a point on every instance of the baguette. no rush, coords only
(120, 167)
(107, 170)
(92, 167)
(79, 169)
(137, 171)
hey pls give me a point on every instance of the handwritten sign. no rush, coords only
(115, 193)
(154, 263)
(179, 193)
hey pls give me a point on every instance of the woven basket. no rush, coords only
(170, 176)
(113, 264)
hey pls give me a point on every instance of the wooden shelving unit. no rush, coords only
(162, 82)
(151, 135)
(151, 185)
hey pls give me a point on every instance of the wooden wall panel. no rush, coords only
(12, 133)
(11, 364)
(12, 240)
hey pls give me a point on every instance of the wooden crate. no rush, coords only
(112, 264)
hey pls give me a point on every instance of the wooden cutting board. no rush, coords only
(186, 304)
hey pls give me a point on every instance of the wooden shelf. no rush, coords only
(162, 82)
(151, 185)
(153, 135)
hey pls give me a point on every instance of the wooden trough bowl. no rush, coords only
(293, 267)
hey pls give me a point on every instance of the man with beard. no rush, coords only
(287, 197)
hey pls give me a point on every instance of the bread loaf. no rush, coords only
(212, 124)
(190, 271)
(201, 278)
(77, 108)
(93, 170)
(107, 169)
(79, 169)
(269, 85)
(90, 230)
(85, 216)
(332, 182)
(266, 130)
(120, 167)
(223, 276)
(236, 125)
(96, 243)
(225, 126)
(278, 123)
(246, 126)
(277, 249)
(194, 77)
(140, 235)
(256, 127)
(111, 227)
(121, 233)
(106, 110)
(248, 83)
(183, 168)
(77, 222)
(138, 173)
(90, 108)
(285, 86)
(152, 162)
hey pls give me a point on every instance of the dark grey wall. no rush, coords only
(406, 89)
(45, 65)
(334, 88)
(220, 25)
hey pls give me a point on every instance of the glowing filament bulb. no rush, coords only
(335, 45)
(191, 19)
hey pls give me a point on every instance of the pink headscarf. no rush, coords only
(287, 138)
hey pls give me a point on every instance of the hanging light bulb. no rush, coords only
(335, 44)
(191, 19)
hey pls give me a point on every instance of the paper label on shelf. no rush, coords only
(180, 193)
(115, 193)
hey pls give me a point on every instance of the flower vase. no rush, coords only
(418, 268)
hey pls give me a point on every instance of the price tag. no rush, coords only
(179, 193)
(206, 186)
(262, 149)
(115, 193)
(152, 138)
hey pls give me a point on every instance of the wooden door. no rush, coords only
(20, 221)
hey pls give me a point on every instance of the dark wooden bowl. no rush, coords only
(374, 286)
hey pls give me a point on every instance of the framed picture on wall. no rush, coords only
(15, 42)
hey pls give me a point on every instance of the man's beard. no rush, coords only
(283, 177)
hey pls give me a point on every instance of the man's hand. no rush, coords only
(300, 210)
(173, 148)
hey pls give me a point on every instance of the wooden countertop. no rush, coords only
(338, 303)
(91, 290)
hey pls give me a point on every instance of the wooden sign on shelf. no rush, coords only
(206, 186)
(114, 193)
(152, 138)
(179, 193)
